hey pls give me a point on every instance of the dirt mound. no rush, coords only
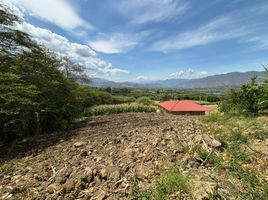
(98, 160)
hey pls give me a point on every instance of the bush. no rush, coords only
(116, 109)
(169, 182)
(247, 100)
(144, 101)
(212, 117)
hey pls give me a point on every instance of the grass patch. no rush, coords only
(208, 157)
(7, 169)
(236, 132)
(212, 117)
(116, 109)
(168, 183)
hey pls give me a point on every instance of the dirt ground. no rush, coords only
(99, 158)
(96, 160)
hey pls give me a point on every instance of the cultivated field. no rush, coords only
(141, 156)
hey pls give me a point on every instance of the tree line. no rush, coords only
(250, 99)
(39, 91)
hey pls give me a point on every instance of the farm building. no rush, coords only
(184, 107)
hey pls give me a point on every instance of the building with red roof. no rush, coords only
(184, 107)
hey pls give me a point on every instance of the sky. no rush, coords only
(145, 40)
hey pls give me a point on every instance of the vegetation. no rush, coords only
(145, 101)
(251, 98)
(240, 159)
(116, 109)
(169, 182)
(209, 95)
(37, 92)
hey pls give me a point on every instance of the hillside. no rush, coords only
(151, 156)
(229, 80)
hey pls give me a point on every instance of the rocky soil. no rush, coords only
(99, 159)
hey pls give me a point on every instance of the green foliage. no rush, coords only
(144, 101)
(17, 106)
(116, 109)
(137, 193)
(240, 161)
(213, 98)
(247, 100)
(37, 89)
(169, 182)
(211, 117)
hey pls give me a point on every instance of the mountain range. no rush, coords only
(228, 80)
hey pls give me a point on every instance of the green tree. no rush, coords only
(18, 102)
(247, 100)
(35, 88)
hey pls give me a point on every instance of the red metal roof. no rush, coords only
(184, 105)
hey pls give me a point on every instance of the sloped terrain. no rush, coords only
(121, 157)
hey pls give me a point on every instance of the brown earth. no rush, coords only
(99, 159)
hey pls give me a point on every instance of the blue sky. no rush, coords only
(141, 40)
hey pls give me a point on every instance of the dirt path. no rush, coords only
(98, 160)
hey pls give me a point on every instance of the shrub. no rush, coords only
(116, 109)
(212, 117)
(249, 99)
(144, 101)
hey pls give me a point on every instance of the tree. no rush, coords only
(18, 102)
(74, 71)
(247, 100)
(34, 89)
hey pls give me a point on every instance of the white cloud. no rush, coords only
(143, 11)
(116, 43)
(222, 28)
(203, 73)
(78, 52)
(189, 73)
(58, 12)
(142, 78)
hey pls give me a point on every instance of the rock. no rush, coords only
(79, 144)
(88, 176)
(142, 172)
(60, 180)
(203, 190)
(211, 141)
(115, 175)
(104, 173)
(128, 152)
(68, 186)
(52, 188)
(100, 195)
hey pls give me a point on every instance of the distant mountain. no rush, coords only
(228, 80)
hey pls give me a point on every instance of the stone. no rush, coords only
(203, 190)
(52, 188)
(104, 173)
(100, 195)
(68, 186)
(211, 141)
(142, 172)
(79, 144)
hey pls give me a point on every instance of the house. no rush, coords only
(184, 107)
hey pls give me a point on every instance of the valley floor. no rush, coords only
(137, 156)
